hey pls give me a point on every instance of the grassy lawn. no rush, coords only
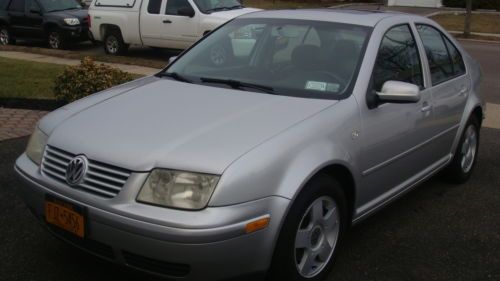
(269, 4)
(480, 23)
(24, 79)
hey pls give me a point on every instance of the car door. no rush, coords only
(450, 85)
(394, 151)
(16, 12)
(181, 30)
(34, 20)
(151, 23)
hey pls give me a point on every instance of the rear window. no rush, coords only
(115, 3)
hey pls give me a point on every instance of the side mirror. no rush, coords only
(171, 60)
(399, 92)
(186, 12)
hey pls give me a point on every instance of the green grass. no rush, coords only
(24, 79)
(485, 23)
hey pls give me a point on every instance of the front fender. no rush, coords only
(284, 164)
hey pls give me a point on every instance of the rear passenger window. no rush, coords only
(445, 61)
(3, 4)
(173, 6)
(154, 6)
(16, 6)
(398, 59)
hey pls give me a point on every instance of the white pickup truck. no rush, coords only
(173, 24)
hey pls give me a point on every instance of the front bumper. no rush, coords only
(211, 245)
(76, 33)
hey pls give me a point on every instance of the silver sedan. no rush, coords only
(256, 149)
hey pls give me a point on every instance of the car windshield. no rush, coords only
(59, 5)
(208, 6)
(284, 57)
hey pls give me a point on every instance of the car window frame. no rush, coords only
(8, 8)
(444, 36)
(371, 93)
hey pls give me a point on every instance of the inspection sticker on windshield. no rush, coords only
(322, 86)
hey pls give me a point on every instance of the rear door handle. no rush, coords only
(167, 21)
(463, 91)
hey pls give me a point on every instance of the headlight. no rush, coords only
(178, 189)
(36, 146)
(72, 21)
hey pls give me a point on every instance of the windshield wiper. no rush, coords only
(65, 9)
(175, 76)
(238, 84)
(236, 7)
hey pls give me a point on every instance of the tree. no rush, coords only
(468, 18)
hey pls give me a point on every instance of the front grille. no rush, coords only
(156, 266)
(101, 179)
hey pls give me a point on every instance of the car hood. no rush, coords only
(169, 124)
(76, 13)
(231, 14)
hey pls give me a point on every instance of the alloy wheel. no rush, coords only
(112, 44)
(54, 40)
(469, 149)
(317, 237)
(4, 36)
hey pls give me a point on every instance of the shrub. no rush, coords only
(87, 78)
(476, 4)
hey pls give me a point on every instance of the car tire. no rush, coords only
(56, 40)
(113, 43)
(319, 215)
(5, 38)
(462, 165)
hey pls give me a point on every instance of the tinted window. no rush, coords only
(3, 4)
(456, 58)
(16, 6)
(398, 59)
(154, 6)
(438, 54)
(173, 6)
(33, 6)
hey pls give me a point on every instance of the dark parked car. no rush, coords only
(59, 22)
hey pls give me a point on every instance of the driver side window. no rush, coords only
(398, 59)
(173, 6)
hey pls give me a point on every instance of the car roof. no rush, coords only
(358, 17)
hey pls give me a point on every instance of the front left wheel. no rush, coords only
(5, 38)
(312, 232)
(56, 40)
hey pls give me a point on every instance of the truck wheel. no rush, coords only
(113, 43)
(56, 40)
(5, 38)
(311, 233)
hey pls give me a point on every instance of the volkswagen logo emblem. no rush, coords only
(76, 170)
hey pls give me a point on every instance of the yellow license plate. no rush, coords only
(65, 216)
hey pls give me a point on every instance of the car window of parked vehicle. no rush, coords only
(445, 63)
(59, 5)
(293, 57)
(3, 4)
(398, 59)
(16, 6)
(173, 6)
(154, 6)
(33, 6)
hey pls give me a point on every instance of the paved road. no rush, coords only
(436, 232)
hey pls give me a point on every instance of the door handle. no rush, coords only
(426, 107)
(167, 21)
(463, 91)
